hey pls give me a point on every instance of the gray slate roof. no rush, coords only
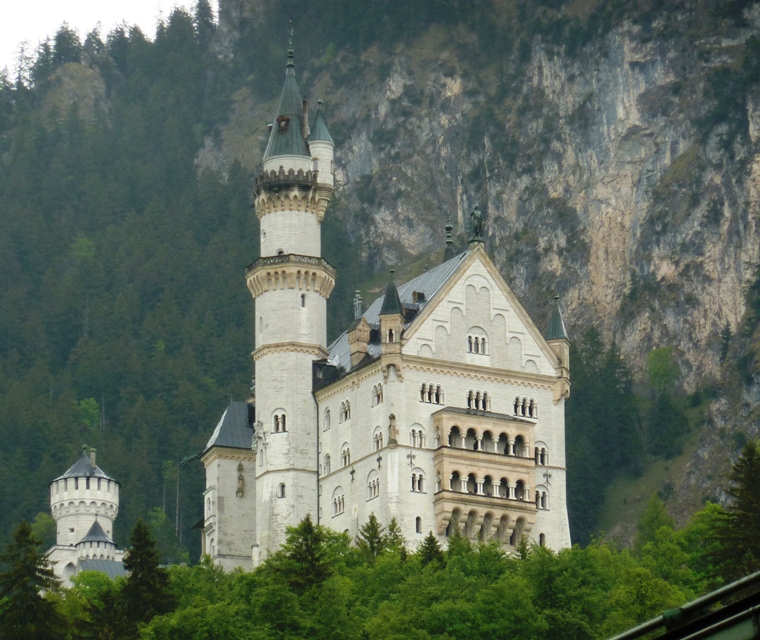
(557, 329)
(320, 132)
(429, 283)
(83, 469)
(96, 534)
(112, 568)
(391, 301)
(484, 414)
(234, 429)
(289, 140)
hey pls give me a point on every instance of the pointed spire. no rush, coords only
(557, 329)
(391, 302)
(287, 135)
(449, 252)
(291, 54)
(320, 131)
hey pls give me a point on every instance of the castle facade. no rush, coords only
(441, 405)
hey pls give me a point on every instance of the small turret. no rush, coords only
(448, 254)
(322, 149)
(391, 319)
(557, 338)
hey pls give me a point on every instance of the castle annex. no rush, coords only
(441, 405)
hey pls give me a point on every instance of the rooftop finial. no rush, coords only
(290, 46)
(358, 305)
(449, 252)
(476, 221)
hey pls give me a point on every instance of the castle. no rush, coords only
(441, 405)
(84, 502)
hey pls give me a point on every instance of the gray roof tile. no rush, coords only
(234, 429)
(112, 568)
(82, 469)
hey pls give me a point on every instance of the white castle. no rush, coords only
(84, 502)
(442, 405)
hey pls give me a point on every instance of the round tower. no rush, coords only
(81, 496)
(290, 284)
(96, 545)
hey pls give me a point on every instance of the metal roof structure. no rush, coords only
(320, 132)
(557, 329)
(287, 137)
(82, 468)
(96, 534)
(112, 568)
(425, 286)
(235, 429)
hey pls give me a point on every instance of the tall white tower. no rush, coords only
(290, 284)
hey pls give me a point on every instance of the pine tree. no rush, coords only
(394, 541)
(737, 533)
(146, 592)
(303, 561)
(24, 613)
(430, 551)
(654, 517)
(371, 539)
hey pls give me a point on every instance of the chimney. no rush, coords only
(92, 458)
(306, 131)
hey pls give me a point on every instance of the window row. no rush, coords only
(339, 504)
(479, 400)
(432, 393)
(525, 407)
(476, 344)
(489, 443)
(498, 488)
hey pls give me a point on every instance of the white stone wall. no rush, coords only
(74, 506)
(283, 316)
(290, 232)
(229, 519)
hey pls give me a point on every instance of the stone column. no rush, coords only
(511, 446)
(526, 493)
(463, 484)
(512, 488)
(479, 443)
(479, 487)
(464, 441)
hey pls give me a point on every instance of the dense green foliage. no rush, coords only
(24, 613)
(321, 586)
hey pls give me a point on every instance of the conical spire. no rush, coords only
(392, 302)
(557, 329)
(320, 131)
(287, 135)
(449, 252)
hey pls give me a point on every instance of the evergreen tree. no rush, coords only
(394, 541)
(146, 592)
(24, 612)
(737, 531)
(430, 551)
(371, 539)
(652, 520)
(303, 560)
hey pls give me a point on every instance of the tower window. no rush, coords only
(280, 252)
(303, 299)
(281, 490)
(418, 525)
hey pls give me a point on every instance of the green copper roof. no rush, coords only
(391, 303)
(557, 329)
(320, 132)
(286, 137)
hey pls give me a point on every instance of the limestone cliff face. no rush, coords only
(624, 176)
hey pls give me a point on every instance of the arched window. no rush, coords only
(541, 540)
(377, 395)
(377, 439)
(279, 423)
(326, 466)
(373, 485)
(532, 408)
(418, 481)
(431, 393)
(345, 456)
(417, 437)
(281, 490)
(390, 336)
(338, 502)
(477, 341)
(348, 410)
(208, 507)
(418, 525)
(326, 421)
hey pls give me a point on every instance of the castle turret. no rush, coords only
(290, 284)
(558, 340)
(80, 496)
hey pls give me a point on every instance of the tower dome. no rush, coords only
(82, 495)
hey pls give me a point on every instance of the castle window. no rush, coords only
(541, 540)
(280, 252)
(327, 420)
(281, 490)
(418, 481)
(431, 393)
(416, 437)
(377, 395)
(477, 341)
(76, 484)
(87, 483)
(377, 439)
(345, 456)
(98, 484)
(390, 336)
(282, 123)
(418, 524)
(338, 502)
(373, 485)
(345, 411)
(303, 299)
(279, 423)
(327, 464)
(478, 400)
